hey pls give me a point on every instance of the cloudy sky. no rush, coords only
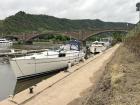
(106, 10)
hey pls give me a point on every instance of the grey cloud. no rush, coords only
(107, 10)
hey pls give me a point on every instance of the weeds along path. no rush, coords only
(120, 84)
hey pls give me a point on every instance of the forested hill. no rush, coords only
(26, 23)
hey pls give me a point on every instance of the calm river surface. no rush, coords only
(10, 86)
(7, 81)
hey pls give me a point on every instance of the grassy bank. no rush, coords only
(120, 82)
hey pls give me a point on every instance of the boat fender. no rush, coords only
(83, 59)
(69, 65)
(11, 97)
(12, 51)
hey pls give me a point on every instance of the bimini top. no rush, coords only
(74, 45)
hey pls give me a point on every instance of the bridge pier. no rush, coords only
(83, 42)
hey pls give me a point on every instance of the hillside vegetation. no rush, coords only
(26, 23)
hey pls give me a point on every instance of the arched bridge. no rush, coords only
(80, 35)
(89, 34)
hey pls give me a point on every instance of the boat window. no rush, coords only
(74, 47)
(30, 54)
(32, 57)
(66, 47)
(39, 53)
(62, 54)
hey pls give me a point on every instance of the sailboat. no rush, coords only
(4, 43)
(47, 61)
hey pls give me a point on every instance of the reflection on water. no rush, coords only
(9, 85)
(26, 83)
(7, 81)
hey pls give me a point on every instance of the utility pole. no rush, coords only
(138, 9)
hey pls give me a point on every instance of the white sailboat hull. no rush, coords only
(29, 67)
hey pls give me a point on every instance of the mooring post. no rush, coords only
(31, 90)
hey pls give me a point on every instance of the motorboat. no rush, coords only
(4, 43)
(47, 61)
(97, 47)
(107, 41)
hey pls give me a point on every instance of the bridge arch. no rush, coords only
(106, 31)
(80, 35)
(49, 35)
(71, 35)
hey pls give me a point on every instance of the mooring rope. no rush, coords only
(19, 66)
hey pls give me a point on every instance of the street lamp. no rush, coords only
(138, 9)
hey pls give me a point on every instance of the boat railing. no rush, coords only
(22, 53)
(32, 52)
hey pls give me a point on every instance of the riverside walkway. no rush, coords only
(64, 87)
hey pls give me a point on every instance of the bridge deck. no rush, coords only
(80, 35)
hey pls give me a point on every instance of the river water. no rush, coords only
(7, 81)
(10, 86)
